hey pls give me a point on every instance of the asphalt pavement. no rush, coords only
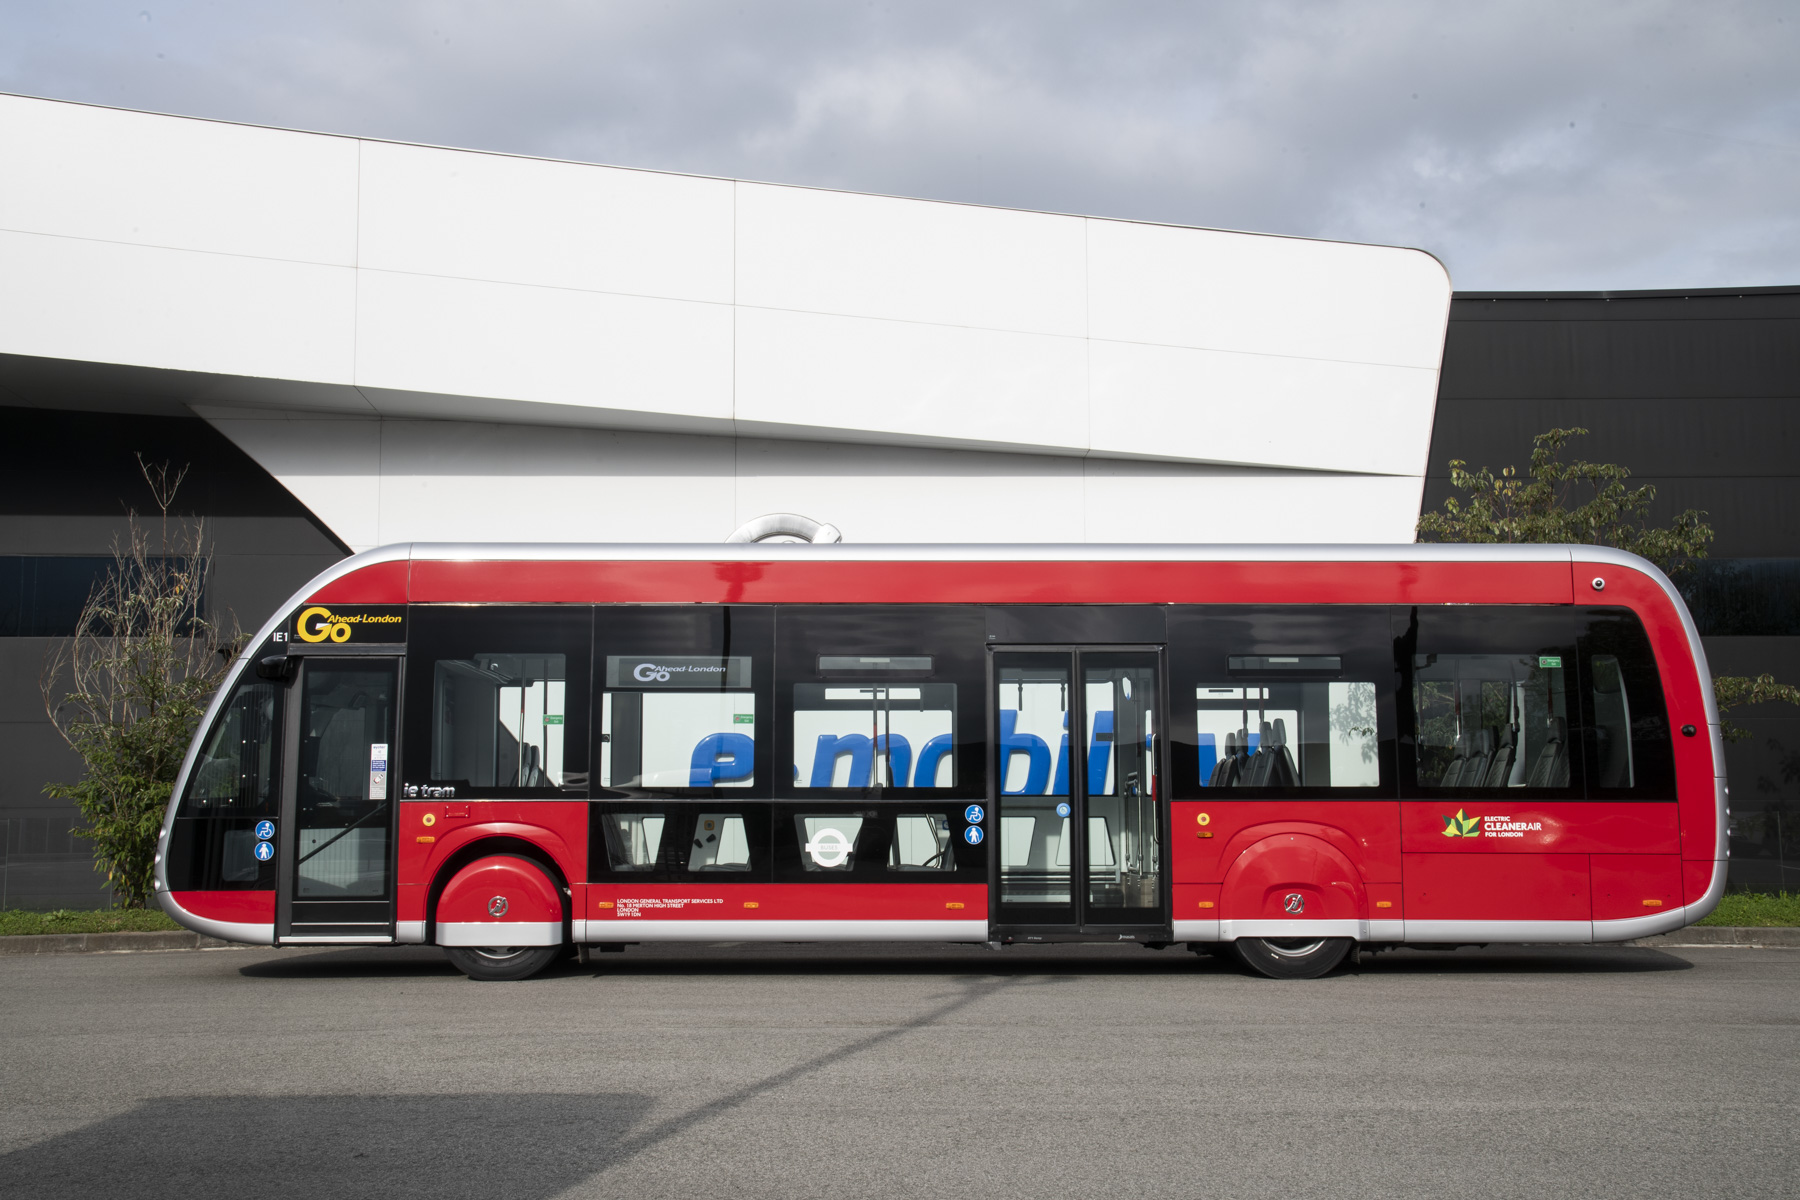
(883, 1071)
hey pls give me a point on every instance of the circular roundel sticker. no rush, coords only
(974, 814)
(265, 851)
(1062, 810)
(265, 830)
(972, 835)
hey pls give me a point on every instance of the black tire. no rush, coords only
(502, 963)
(1292, 958)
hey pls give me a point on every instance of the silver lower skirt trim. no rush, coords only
(499, 933)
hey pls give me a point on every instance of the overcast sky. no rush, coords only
(1586, 145)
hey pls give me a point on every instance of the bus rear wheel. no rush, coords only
(1292, 958)
(502, 963)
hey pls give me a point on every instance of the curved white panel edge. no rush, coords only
(231, 931)
(412, 279)
(499, 933)
(640, 930)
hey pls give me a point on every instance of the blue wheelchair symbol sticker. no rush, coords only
(972, 835)
(974, 814)
(1062, 810)
(265, 851)
(265, 830)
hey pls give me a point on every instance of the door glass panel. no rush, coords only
(1124, 851)
(343, 805)
(1033, 770)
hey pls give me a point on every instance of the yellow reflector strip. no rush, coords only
(751, 904)
(1206, 904)
(603, 904)
(1653, 904)
(953, 904)
(1384, 904)
(426, 840)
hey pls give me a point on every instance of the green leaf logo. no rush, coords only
(1462, 825)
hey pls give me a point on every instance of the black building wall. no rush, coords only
(1697, 393)
(67, 481)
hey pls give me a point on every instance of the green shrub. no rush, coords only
(1756, 908)
(14, 921)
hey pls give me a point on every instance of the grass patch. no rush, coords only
(1756, 908)
(14, 921)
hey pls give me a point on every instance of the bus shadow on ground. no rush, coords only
(900, 959)
(757, 959)
(201, 1147)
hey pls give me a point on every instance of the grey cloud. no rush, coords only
(1529, 144)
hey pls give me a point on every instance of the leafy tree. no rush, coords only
(1733, 690)
(1507, 508)
(128, 689)
(1590, 504)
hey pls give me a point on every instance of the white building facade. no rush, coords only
(432, 344)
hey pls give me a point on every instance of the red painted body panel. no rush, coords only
(1623, 882)
(527, 893)
(1696, 878)
(377, 583)
(1270, 870)
(558, 827)
(586, 582)
(1694, 767)
(1194, 902)
(1570, 827)
(1497, 887)
(1363, 831)
(624, 902)
(248, 908)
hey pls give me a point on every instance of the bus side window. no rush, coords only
(1611, 723)
(1492, 700)
(1627, 740)
(235, 775)
(1276, 699)
(1315, 733)
(498, 699)
(212, 846)
(878, 700)
(922, 842)
(683, 699)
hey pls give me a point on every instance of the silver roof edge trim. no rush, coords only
(989, 552)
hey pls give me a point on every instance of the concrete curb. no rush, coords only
(1725, 935)
(106, 943)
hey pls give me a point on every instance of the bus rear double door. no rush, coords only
(336, 883)
(1079, 831)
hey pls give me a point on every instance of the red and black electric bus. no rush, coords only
(508, 751)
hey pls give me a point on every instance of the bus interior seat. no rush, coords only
(1506, 741)
(1281, 765)
(1225, 770)
(1459, 763)
(1551, 766)
(1257, 775)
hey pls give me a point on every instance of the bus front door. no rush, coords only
(336, 882)
(1079, 833)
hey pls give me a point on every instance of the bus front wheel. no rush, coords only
(498, 963)
(1292, 958)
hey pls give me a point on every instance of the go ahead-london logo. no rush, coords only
(1462, 825)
